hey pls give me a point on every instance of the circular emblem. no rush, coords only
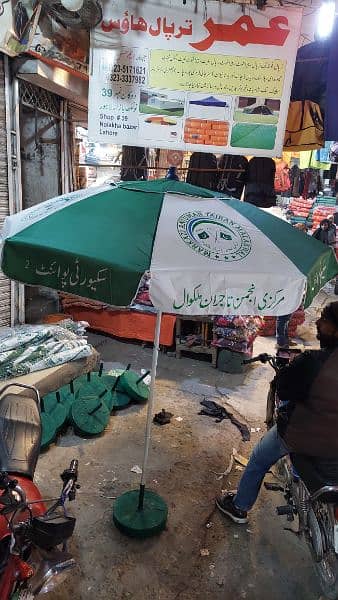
(214, 236)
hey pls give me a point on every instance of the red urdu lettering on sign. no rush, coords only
(160, 27)
(244, 32)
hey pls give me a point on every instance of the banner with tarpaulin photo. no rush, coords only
(214, 80)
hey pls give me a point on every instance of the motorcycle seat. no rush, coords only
(317, 473)
(20, 434)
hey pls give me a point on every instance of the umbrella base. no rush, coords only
(148, 521)
(119, 400)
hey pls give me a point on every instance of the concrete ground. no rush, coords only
(200, 555)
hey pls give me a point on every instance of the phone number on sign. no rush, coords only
(117, 78)
(129, 69)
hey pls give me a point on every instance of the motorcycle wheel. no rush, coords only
(327, 571)
(327, 567)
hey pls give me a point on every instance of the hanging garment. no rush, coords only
(305, 159)
(310, 75)
(295, 181)
(259, 189)
(315, 78)
(288, 158)
(316, 164)
(282, 179)
(231, 183)
(304, 126)
(331, 113)
(323, 154)
(333, 152)
(310, 183)
(134, 163)
(332, 173)
(206, 176)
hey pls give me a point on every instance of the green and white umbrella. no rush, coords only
(207, 255)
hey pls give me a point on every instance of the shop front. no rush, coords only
(45, 102)
(6, 288)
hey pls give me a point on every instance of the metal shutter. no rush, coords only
(5, 286)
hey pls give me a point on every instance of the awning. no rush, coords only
(58, 80)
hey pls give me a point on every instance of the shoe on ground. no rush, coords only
(291, 344)
(282, 346)
(226, 505)
(287, 346)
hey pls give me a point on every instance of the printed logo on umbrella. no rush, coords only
(214, 236)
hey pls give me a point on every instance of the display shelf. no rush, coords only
(206, 334)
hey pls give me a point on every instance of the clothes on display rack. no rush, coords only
(304, 126)
(301, 208)
(310, 75)
(321, 158)
(310, 183)
(259, 189)
(331, 113)
(331, 172)
(231, 183)
(142, 297)
(323, 154)
(294, 175)
(134, 163)
(316, 163)
(333, 152)
(315, 79)
(236, 333)
(268, 327)
(282, 178)
(207, 175)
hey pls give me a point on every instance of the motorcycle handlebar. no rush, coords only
(74, 467)
(70, 485)
(260, 358)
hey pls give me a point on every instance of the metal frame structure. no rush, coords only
(17, 299)
(19, 92)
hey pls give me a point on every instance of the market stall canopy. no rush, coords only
(206, 254)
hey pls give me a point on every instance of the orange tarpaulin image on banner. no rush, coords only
(203, 131)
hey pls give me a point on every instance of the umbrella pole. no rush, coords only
(143, 513)
(150, 408)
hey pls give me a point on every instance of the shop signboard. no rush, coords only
(213, 80)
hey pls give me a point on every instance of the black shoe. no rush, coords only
(292, 344)
(226, 506)
(282, 346)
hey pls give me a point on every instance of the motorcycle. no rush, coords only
(33, 539)
(310, 489)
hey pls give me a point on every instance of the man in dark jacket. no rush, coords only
(308, 425)
(326, 233)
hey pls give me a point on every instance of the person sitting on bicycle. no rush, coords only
(308, 388)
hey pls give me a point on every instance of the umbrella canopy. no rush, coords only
(206, 254)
